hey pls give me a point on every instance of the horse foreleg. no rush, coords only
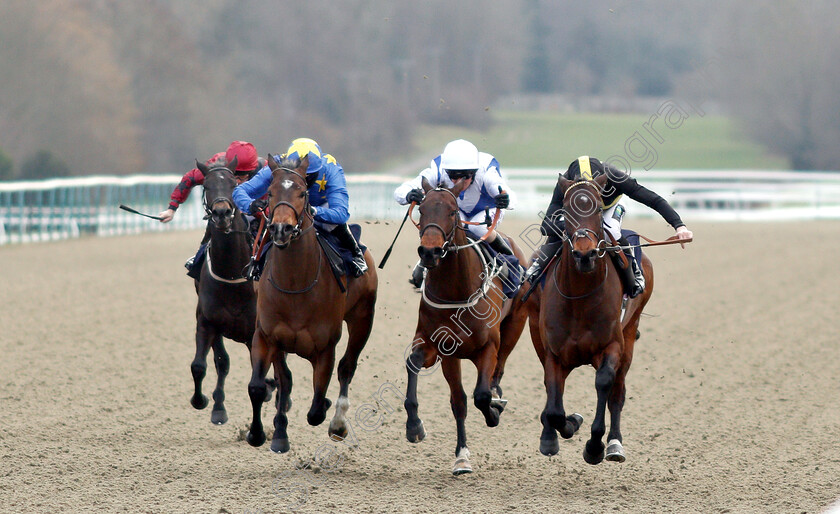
(260, 361)
(222, 360)
(458, 400)
(204, 336)
(485, 363)
(283, 376)
(554, 413)
(615, 450)
(419, 358)
(322, 367)
(593, 453)
(509, 334)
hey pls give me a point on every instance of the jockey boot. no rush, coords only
(416, 276)
(545, 253)
(345, 237)
(634, 272)
(500, 245)
(194, 263)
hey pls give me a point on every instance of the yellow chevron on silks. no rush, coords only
(585, 168)
(303, 146)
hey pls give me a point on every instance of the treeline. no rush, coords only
(108, 86)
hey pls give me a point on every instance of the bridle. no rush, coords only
(599, 239)
(448, 237)
(208, 206)
(297, 231)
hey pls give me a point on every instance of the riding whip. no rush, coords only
(134, 211)
(388, 253)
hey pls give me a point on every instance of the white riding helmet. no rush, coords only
(459, 155)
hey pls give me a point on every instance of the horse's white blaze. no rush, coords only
(287, 184)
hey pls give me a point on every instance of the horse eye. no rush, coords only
(303, 194)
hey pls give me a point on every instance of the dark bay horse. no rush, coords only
(575, 319)
(300, 310)
(226, 300)
(463, 315)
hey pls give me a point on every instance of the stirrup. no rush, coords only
(189, 263)
(360, 266)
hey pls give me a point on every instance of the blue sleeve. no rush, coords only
(339, 200)
(254, 189)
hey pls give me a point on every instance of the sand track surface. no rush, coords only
(731, 399)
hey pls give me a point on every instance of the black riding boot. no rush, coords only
(345, 237)
(633, 276)
(500, 245)
(545, 253)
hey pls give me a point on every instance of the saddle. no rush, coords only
(510, 270)
(340, 258)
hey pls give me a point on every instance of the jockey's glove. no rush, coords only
(257, 206)
(502, 201)
(415, 195)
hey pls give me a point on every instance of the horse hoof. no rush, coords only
(594, 457)
(576, 420)
(462, 463)
(499, 404)
(415, 434)
(491, 416)
(219, 416)
(337, 433)
(255, 439)
(280, 445)
(615, 452)
(549, 447)
(199, 402)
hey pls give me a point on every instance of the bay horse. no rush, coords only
(463, 315)
(226, 300)
(575, 319)
(301, 308)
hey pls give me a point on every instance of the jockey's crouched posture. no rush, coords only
(328, 195)
(486, 189)
(618, 184)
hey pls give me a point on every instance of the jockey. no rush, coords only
(247, 165)
(486, 189)
(328, 196)
(618, 184)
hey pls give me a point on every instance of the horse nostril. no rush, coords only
(592, 254)
(437, 252)
(577, 255)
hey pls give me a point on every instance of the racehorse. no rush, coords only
(226, 300)
(300, 310)
(575, 319)
(463, 315)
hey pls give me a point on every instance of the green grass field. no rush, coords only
(536, 139)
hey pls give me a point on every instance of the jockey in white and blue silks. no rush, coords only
(327, 195)
(461, 160)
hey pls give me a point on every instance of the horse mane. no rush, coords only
(291, 163)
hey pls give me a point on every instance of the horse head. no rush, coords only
(288, 196)
(583, 225)
(219, 182)
(438, 222)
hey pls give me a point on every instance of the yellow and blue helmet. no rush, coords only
(303, 146)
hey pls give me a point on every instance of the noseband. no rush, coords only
(304, 212)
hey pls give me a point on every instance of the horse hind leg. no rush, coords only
(509, 334)
(322, 368)
(220, 356)
(482, 397)
(204, 337)
(359, 325)
(283, 377)
(593, 452)
(458, 401)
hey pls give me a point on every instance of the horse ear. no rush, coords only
(272, 163)
(426, 186)
(564, 184)
(232, 165)
(601, 181)
(304, 164)
(459, 187)
(203, 168)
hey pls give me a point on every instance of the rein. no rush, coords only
(305, 289)
(489, 274)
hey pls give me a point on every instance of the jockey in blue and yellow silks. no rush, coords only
(327, 195)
